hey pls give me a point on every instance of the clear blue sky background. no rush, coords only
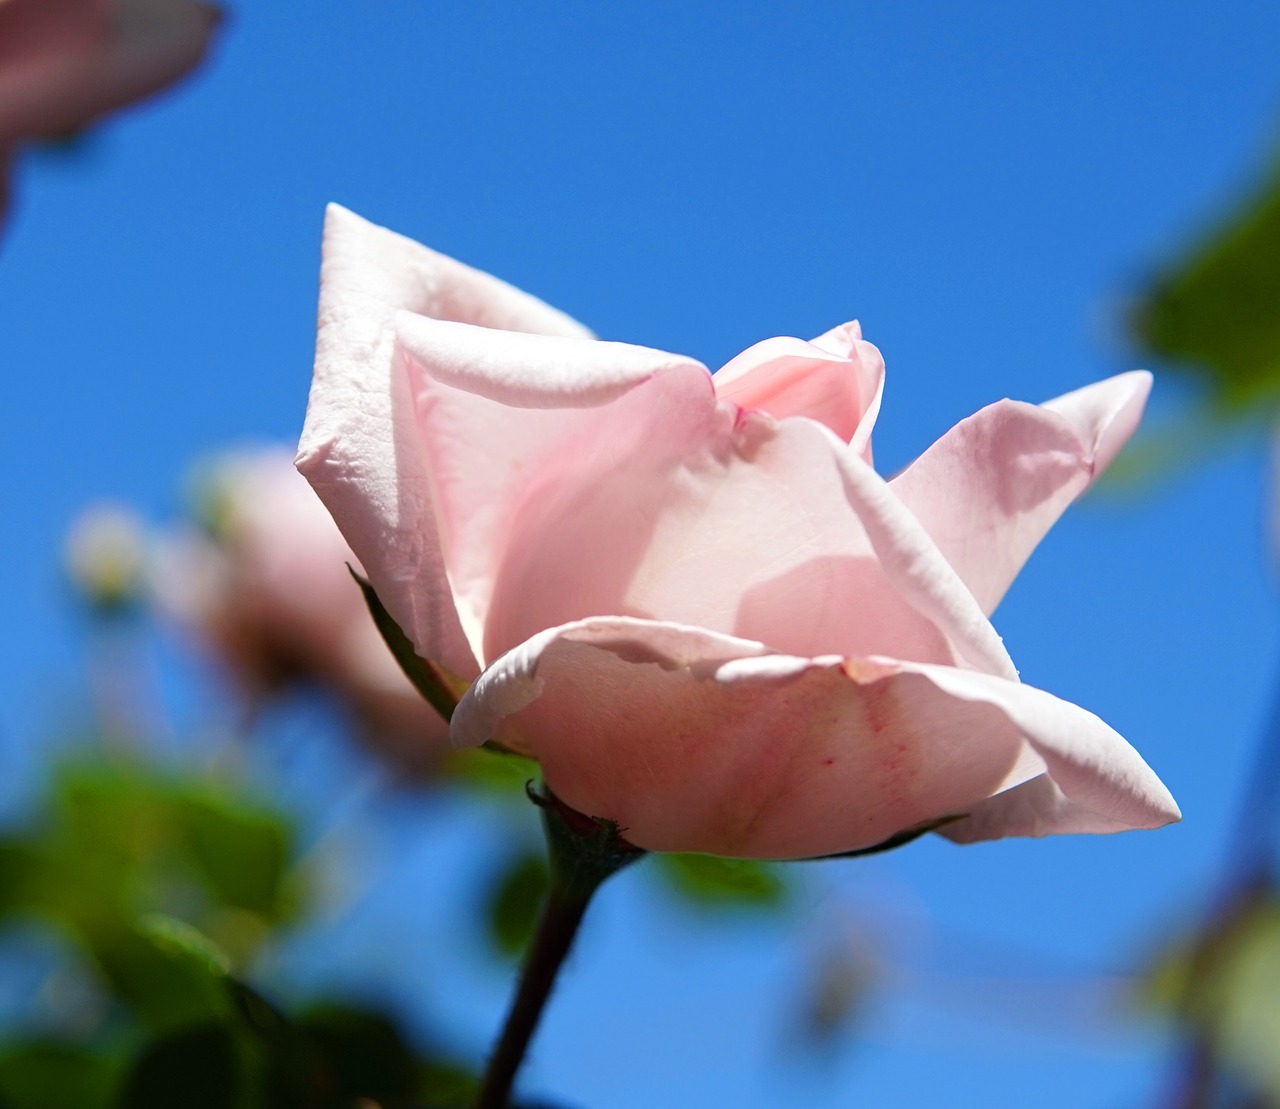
(981, 185)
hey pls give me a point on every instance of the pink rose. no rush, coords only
(64, 63)
(692, 599)
(266, 586)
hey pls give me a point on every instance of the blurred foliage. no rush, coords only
(118, 839)
(514, 900)
(1223, 986)
(708, 881)
(51, 1074)
(488, 770)
(1216, 311)
(166, 883)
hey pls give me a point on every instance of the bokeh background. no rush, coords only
(988, 189)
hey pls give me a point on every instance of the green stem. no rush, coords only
(583, 852)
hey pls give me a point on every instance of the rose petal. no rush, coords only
(989, 490)
(360, 447)
(488, 458)
(692, 741)
(1093, 781)
(837, 380)
(640, 496)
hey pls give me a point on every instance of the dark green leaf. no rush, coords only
(713, 882)
(46, 1074)
(514, 902)
(440, 689)
(197, 1068)
(1216, 310)
(445, 1084)
(364, 1054)
(168, 973)
(241, 852)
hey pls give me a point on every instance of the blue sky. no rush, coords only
(982, 186)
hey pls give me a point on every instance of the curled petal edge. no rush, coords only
(1075, 773)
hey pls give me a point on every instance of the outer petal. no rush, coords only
(587, 479)
(360, 447)
(837, 380)
(989, 490)
(693, 741)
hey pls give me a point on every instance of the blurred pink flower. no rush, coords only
(692, 599)
(265, 585)
(65, 63)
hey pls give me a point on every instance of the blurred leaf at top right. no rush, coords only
(1215, 311)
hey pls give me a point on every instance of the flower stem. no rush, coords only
(583, 851)
(557, 927)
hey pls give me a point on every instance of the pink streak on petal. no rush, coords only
(693, 741)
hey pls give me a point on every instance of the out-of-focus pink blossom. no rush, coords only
(693, 599)
(265, 585)
(65, 63)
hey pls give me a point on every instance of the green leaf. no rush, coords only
(713, 882)
(438, 687)
(491, 770)
(1225, 985)
(197, 1068)
(169, 974)
(242, 852)
(514, 901)
(48, 1074)
(1216, 312)
(364, 1055)
(446, 1084)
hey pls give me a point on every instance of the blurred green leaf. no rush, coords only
(1217, 310)
(197, 1068)
(242, 853)
(46, 1074)
(1225, 985)
(170, 975)
(445, 1084)
(712, 882)
(118, 840)
(491, 770)
(340, 1056)
(514, 901)
(365, 1053)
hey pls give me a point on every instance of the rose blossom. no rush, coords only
(64, 63)
(692, 599)
(265, 585)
